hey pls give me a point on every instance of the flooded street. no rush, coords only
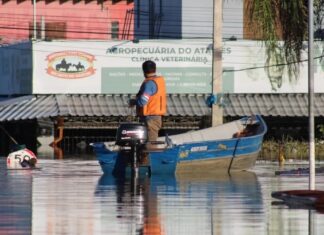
(74, 197)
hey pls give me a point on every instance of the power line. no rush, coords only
(170, 9)
(224, 71)
(270, 66)
(85, 19)
(130, 6)
(88, 28)
(165, 35)
(142, 33)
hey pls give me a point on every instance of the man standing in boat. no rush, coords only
(151, 101)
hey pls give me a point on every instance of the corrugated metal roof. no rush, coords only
(29, 108)
(44, 106)
(285, 105)
(117, 105)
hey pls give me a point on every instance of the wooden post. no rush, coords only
(217, 111)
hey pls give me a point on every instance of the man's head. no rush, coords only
(149, 67)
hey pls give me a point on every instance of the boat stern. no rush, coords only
(165, 162)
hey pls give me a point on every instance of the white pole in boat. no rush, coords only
(217, 73)
(311, 96)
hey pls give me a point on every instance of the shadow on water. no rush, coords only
(185, 204)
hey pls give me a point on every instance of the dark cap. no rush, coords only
(149, 67)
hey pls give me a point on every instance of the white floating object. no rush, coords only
(21, 159)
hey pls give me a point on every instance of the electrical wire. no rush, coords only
(172, 9)
(228, 64)
(75, 19)
(93, 30)
(132, 33)
(200, 11)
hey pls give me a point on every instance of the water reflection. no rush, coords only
(134, 209)
(71, 196)
(15, 201)
(186, 204)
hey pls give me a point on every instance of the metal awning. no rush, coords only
(191, 105)
(44, 106)
(28, 107)
(276, 105)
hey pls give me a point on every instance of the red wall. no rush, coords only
(84, 19)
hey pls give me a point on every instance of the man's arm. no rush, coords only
(148, 90)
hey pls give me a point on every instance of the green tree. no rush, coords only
(283, 25)
(319, 19)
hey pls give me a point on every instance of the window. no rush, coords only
(53, 30)
(115, 30)
(31, 30)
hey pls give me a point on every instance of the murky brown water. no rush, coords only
(74, 197)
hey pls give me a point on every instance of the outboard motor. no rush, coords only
(132, 137)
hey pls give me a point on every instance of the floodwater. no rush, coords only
(72, 196)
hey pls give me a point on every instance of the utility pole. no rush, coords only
(34, 19)
(43, 28)
(151, 19)
(217, 111)
(311, 95)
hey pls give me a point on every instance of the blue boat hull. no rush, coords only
(114, 163)
(225, 155)
(232, 154)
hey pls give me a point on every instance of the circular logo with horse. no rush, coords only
(70, 64)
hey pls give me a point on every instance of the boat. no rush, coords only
(301, 199)
(233, 146)
(299, 171)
